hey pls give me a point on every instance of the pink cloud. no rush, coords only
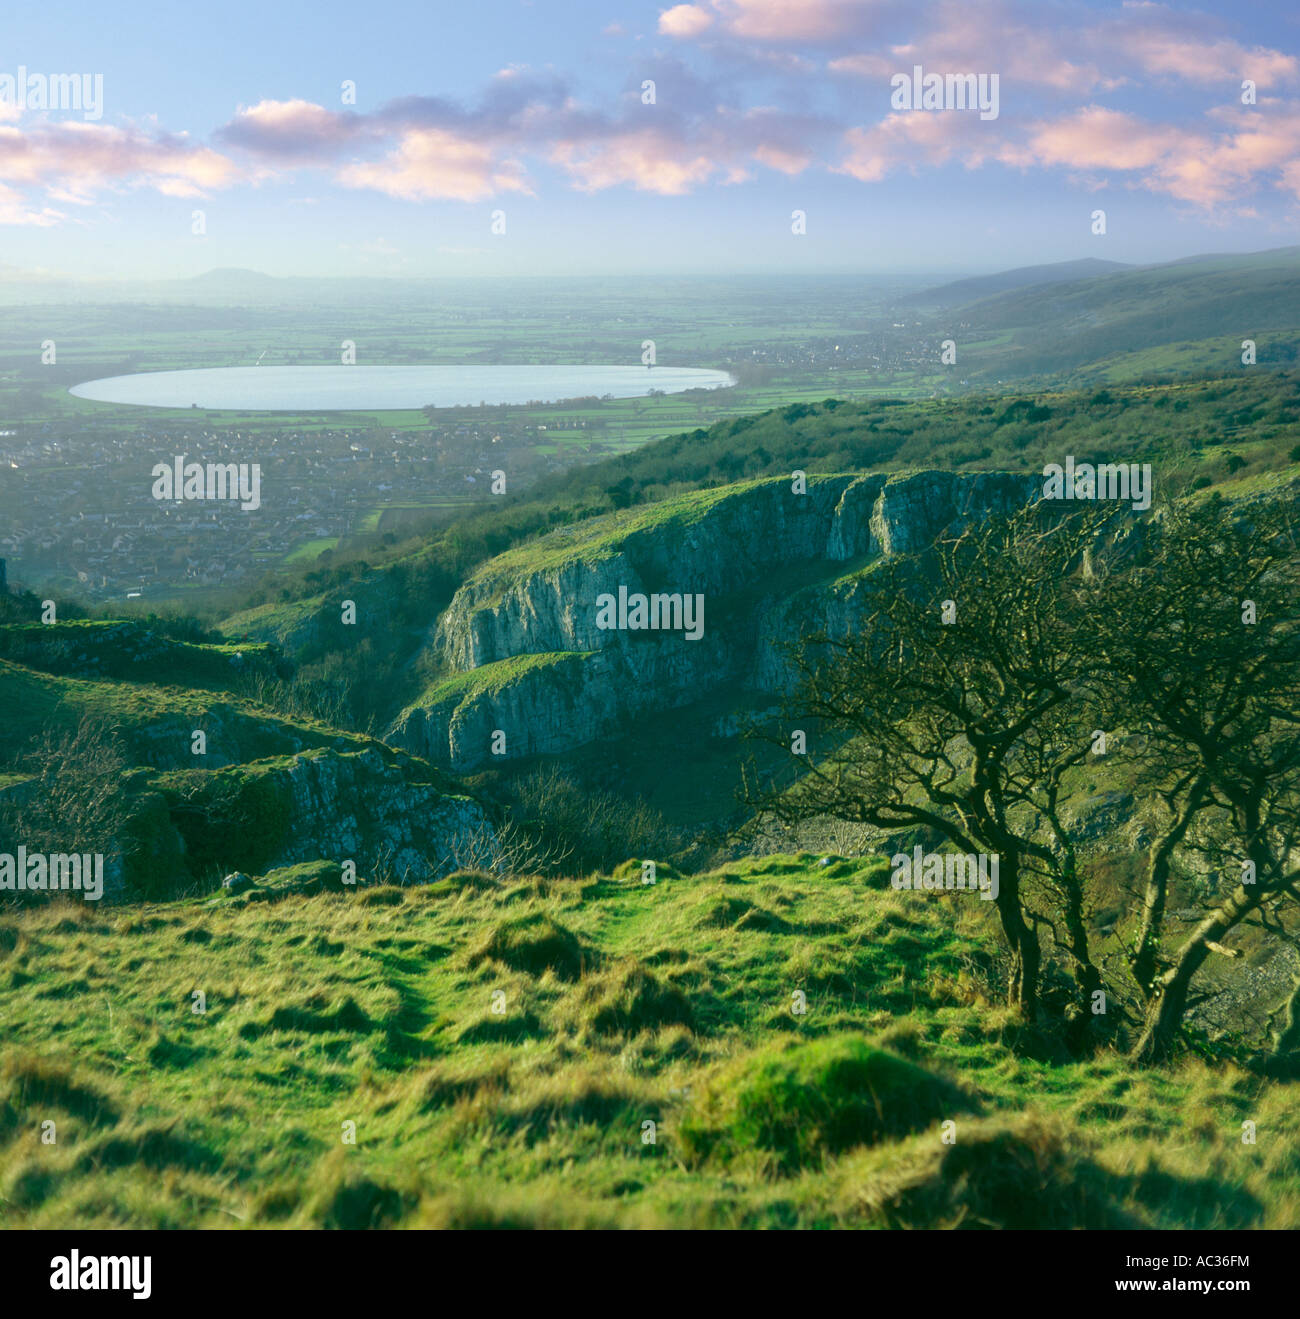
(685, 21)
(291, 130)
(1098, 138)
(1194, 165)
(15, 211)
(1162, 46)
(992, 38)
(647, 159)
(73, 161)
(793, 20)
(1032, 44)
(910, 140)
(435, 164)
(772, 20)
(702, 132)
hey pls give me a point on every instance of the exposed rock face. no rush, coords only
(233, 735)
(536, 711)
(770, 564)
(393, 817)
(365, 807)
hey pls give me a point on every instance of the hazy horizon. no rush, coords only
(936, 273)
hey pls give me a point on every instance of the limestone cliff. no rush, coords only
(394, 817)
(527, 659)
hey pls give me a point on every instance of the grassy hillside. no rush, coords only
(1085, 328)
(131, 650)
(155, 719)
(962, 291)
(624, 1004)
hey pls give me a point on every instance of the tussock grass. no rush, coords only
(641, 1067)
(802, 1103)
(534, 943)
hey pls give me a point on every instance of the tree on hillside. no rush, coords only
(1203, 646)
(75, 801)
(959, 706)
(1174, 635)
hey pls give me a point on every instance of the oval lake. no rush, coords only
(347, 388)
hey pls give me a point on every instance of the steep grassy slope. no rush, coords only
(131, 650)
(623, 1004)
(155, 719)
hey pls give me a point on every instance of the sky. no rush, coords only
(567, 137)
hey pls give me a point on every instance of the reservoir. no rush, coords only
(347, 388)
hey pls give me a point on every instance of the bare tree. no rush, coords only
(76, 799)
(958, 706)
(1200, 638)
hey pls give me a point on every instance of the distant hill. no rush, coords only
(231, 277)
(963, 291)
(1208, 286)
(1082, 325)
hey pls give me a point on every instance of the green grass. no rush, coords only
(130, 650)
(155, 720)
(491, 679)
(599, 537)
(311, 549)
(622, 1005)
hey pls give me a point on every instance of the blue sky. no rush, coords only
(761, 108)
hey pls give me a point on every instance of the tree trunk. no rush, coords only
(1080, 1034)
(1022, 939)
(1144, 963)
(1165, 1012)
(1284, 1060)
(1287, 1040)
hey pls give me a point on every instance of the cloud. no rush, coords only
(685, 21)
(1045, 43)
(646, 159)
(1214, 163)
(795, 20)
(291, 130)
(911, 140)
(755, 97)
(1019, 47)
(1165, 43)
(771, 20)
(1196, 165)
(434, 164)
(75, 161)
(14, 210)
(436, 149)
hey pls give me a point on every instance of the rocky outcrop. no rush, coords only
(124, 648)
(392, 816)
(769, 561)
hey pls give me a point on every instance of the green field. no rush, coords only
(311, 549)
